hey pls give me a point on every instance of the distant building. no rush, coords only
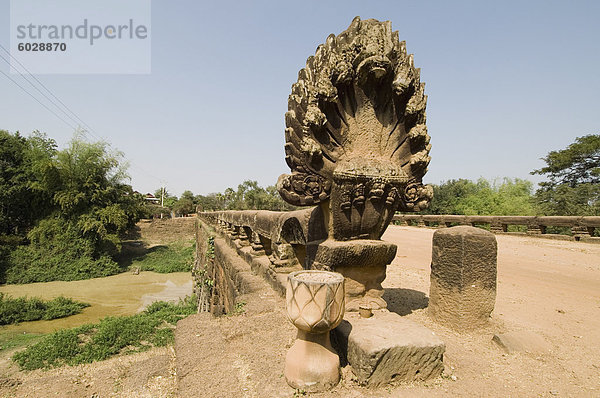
(151, 198)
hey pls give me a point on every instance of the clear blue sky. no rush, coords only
(507, 82)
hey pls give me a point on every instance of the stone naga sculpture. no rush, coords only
(356, 139)
(356, 132)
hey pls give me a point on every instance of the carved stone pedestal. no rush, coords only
(362, 263)
(315, 305)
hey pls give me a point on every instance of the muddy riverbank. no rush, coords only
(122, 294)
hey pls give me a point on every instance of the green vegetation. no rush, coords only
(13, 340)
(573, 186)
(509, 197)
(23, 309)
(112, 336)
(248, 196)
(176, 257)
(62, 213)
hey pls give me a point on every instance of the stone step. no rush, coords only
(387, 347)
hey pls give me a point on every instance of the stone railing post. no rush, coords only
(257, 245)
(579, 232)
(463, 277)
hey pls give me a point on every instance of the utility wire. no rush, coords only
(38, 101)
(73, 118)
(79, 120)
(41, 92)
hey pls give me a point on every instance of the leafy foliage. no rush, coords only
(573, 186)
(185, 204)
(579, 163)
(23, 309)
(72, 206)
(113, 335)
(57, 252)
(509, 197)
(248, 196)
(24, 174)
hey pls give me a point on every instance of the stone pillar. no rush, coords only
(257, 246)
(363, 264)
(463, 277)
(243, 236)
(580, 231)
(498, 227)
(535, 229)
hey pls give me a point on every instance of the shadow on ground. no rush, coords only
(405, 301)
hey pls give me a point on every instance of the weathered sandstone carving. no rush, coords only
(356, 132)
(315, 305)
(357, 145)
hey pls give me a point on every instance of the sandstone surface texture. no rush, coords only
(463, 277)
(389, 348)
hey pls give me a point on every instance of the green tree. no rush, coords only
(510, 197)
(185, 204)
(210, 202)
(24, 166)
(91, 193)
(167, 199)
(573, 186)
(249, 195)
(90, 208)
(447, 195)
(499, 197)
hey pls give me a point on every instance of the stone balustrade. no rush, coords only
(281, 235)
(272, 243)
(582, 227)
(380, 347)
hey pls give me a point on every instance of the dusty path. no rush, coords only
(551, 288)
(545, 286)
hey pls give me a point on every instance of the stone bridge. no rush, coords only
(357, 146)
(275, 243)
(547, 300)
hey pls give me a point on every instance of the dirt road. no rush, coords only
(548, 287)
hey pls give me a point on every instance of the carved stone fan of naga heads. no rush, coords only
(356, 138)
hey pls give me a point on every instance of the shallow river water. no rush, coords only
(123, 294)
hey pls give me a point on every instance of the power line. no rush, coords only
(41, 92)
(45, 88)
(84, 132)
(38, 101)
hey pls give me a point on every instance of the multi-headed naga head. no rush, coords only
(356, 139)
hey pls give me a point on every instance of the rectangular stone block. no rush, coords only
(362, 262)
(463, 277)
(389, 347)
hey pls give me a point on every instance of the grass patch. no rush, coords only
(175, 257)
(23, 309)
(12, 340)
(112, 336)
